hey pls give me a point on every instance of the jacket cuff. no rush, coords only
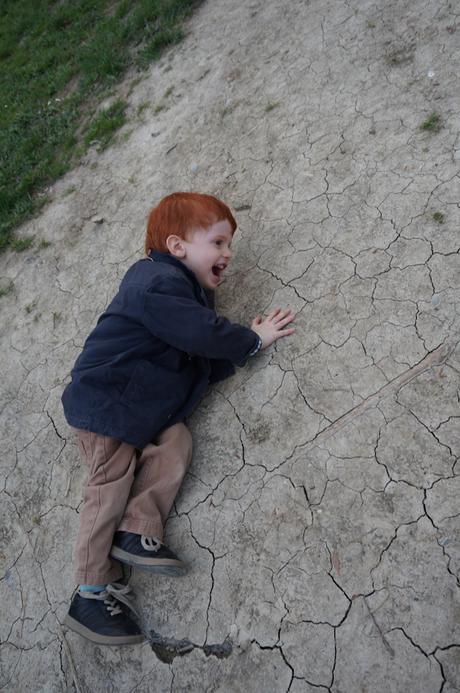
(254, 349)
(257, 347)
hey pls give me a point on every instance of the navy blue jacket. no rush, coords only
(152, 354)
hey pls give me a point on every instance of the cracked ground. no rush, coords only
(320, 519)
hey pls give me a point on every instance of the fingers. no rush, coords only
(281, 323)
(279, 334)
(273, 325)
(273, 313)
(283, 317)
(288, 313)
(276, 315)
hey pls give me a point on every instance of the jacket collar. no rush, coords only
(168, 259)
(157, 256)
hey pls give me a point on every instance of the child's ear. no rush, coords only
(175, 246)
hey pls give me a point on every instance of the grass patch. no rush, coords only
(56, 60)
(68, 191)
(142, 107)
(439, 217)
(105, 124)
(5, 290)
(270, 106)
(432, 123)
(21, 244)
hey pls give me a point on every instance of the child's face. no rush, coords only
(207, 253)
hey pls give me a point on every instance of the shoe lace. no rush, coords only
(111, 596)
(150, 543)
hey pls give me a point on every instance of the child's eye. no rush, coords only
(218, 242)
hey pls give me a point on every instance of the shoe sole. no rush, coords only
(162, 566)
(85, 632)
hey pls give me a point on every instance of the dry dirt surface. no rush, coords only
(320, 520)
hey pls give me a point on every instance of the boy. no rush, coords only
(143, 369)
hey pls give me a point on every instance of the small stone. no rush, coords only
(244, 640)
(194, 168)
(97, 220)
(430, 73)
(435, 300)
(233, 634)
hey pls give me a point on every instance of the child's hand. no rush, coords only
(270, 328)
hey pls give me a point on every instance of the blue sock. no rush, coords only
(92, 588)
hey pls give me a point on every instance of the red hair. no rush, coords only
(181, 213)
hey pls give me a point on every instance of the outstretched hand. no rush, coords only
(272, 327)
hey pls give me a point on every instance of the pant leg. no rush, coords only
(111, 465)
(160, 470)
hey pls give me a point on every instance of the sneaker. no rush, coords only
(99, 616)
(146, 553)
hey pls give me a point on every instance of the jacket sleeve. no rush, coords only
(220, 370)
(172, 313)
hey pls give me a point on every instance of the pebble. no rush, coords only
(435, 300)
(233, 634)
(244, 640)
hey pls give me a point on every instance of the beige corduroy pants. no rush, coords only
(125, 490)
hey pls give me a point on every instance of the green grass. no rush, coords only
(5, 290)
(20, 244)
(271, 105)
(439, 217)
(106, 123)
(143, 107)
(69, 190)
(57, 58)
(432, 123)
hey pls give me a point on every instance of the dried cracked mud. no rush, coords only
(320, 519)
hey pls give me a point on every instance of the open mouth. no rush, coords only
(217, 270)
